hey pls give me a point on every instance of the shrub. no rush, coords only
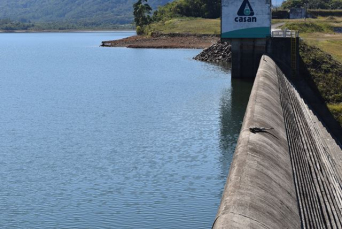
(140, 30)
(310, 27)
(336, 110)
(324, 75)
(324, 71)
(325, 13)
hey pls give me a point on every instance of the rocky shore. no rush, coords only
(219, 52)
(156, 40)
(214, 50)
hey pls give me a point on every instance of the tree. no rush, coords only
(141, 12)
(211, 8)
(336, 4)
(288, 4)
(313, 4)
(189, 8)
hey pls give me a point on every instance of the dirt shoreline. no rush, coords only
(186, 41)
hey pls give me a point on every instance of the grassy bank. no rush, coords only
(329, 43)
(322, 58)
(320, 33)
(324, 71)
(324, 74)
(336, 110)
(185, 25)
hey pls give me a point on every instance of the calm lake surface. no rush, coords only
(96, 137)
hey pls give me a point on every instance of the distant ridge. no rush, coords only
(73, 11)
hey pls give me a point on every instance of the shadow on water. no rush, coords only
(233, 105)
(232, 110)
(224, 67)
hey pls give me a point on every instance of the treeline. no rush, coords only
(325, 13)
(212, 8)
(313, 4)
(189, 8)
(10, 25)
(7, 24)
(95, 12)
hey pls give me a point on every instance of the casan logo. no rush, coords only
(245, 12)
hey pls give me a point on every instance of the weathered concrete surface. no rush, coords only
(246, 53)
(315, 160)
(260, 191)
(286, 177)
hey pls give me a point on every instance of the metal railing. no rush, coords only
(285, 33)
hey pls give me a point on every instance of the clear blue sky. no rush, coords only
(277, 2)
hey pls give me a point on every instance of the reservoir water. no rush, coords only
(96, 137)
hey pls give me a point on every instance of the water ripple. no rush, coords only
(112, 138)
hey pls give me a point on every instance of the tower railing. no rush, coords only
(285, 33)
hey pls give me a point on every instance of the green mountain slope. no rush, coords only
(74, 11)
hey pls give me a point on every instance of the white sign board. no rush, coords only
(246, 18)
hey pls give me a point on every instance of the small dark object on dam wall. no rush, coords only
(260, 192)
(219, 52)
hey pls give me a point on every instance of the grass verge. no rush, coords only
(329, 43)
(324, 74)
(321, 24)
(336, 110)
(185, 25)
(322, 57)
(320, 33)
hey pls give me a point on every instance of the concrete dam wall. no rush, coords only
(286, 170)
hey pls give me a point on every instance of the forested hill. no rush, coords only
(73, 11)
